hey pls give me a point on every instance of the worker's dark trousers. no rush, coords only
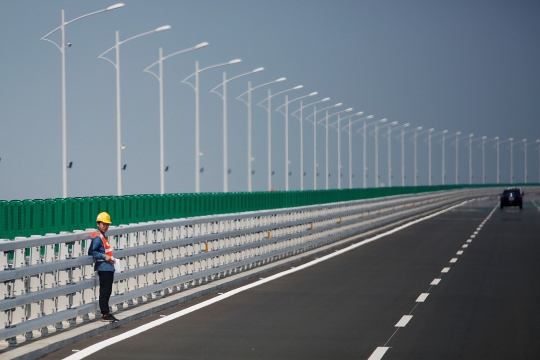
(106, 279)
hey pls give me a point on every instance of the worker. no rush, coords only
(104, 264)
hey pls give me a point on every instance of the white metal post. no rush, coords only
(415, 164)
(443, 174)
(249, 159)
(364, 151)
(118, 121)
(483, 160)
(511, 160)
(350, 155)
(525, 153)
(339, 151)
(286, 142)
(301, 150)
(326, 126)
(225, 137)
(429, 157)
(315, 148)
(470, 159)
(197, 133)
(376, 155)
(402, 156)
(457, 157)
(498, 172)
(269, 140)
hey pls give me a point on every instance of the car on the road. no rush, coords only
(512, 197)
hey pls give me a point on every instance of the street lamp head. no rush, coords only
(369, 117)
(383, 120)
(393, 123)
(524, 140)
(281, 79)
(298, 87)
(258, 69)
(511, 139)
(431, 130)
(313, 93)
(325, 99)
(406, 125)
(115, 6)
(359, 113)
(471, 135)
(496, 138)
(201, 45)
(484, 137)
(419, 128)
(338, 104)
(234, 61)
(458, 133)
(349, 109)
(162, 28)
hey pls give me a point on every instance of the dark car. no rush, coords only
(512, 197)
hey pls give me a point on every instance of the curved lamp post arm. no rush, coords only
(358, 120)
(308, 105)
(185, 81)
(350, 124)
(239, 97)
(335, 124)
(147, 70)
(337, 112)
(161, 28)
(318, 111)
(276, 94)
(214, 90)
(298, 98)
(112, 7)
(371, 123)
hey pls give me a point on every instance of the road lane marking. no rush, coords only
(445, 270)
(460, 252)
(473, 236)
(379, 353)
(435, 282)
(465, 246)
(422, 297)
(404, 321)
(453, 260)
(476, 232)
(469, 241)
(113, 340)
(536, 205)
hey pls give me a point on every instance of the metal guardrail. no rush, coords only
(50, 279)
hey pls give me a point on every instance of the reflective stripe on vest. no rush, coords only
(108, 249)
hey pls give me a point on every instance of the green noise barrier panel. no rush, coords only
(39, 217)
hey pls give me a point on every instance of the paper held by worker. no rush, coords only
(117, 266)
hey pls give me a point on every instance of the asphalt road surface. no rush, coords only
(486, 303)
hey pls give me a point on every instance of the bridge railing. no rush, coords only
(41, 217)
(49, 280)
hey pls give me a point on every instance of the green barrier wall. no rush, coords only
(39, 217)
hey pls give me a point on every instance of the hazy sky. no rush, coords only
(469, 66)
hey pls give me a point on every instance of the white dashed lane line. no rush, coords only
(381, 350)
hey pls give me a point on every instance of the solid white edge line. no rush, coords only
(404, 321)
(113, 340)
(378, 353)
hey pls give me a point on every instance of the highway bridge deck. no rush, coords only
(380, 300)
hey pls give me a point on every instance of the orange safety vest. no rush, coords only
(108, 249)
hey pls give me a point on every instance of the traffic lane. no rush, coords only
(341, 308)
(487, 305)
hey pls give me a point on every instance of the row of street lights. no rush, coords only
(193, 81)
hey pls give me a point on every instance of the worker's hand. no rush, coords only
(107, 258)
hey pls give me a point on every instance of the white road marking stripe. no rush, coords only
(422, 297)
(435, 282)
(445, 270)
(465, 246)
(404, 321)
(460, 252)
(476, 232)
(453, 260)
(113, 340)
(469, 241)
(378, 353)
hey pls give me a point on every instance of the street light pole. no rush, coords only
(403, 152)
(483, 159)
(443, 175)
(248, 104)
(159, 77)
(286, 114)
(348, 128)
(195, 87)
(525, 153)
(300, 118)
(470, 158)
(314, 122)
(336, 125)
(457, 157)
(224, 98)
(116, 65)
(268, 109)
(364, 133)
(62, 48)
(326, 128)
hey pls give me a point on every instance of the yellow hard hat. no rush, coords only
(104, 217)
